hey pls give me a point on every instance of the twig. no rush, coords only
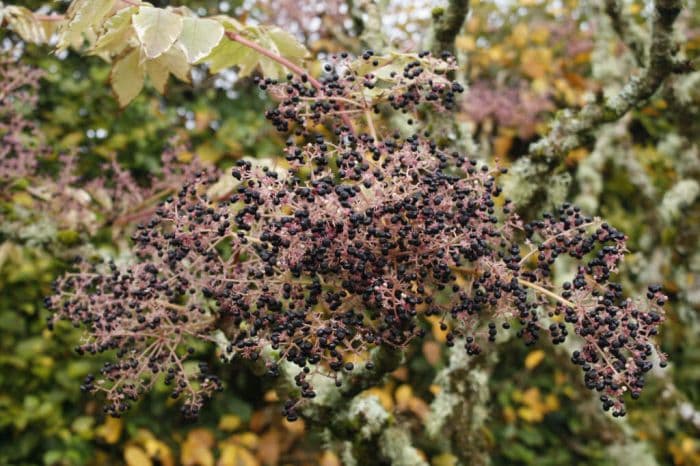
(570, 128)
(627, 30)
(545, 291)
(448, 22)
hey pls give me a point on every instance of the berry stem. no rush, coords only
(553, 238)
(545, 291)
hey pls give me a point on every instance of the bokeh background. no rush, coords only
(523, 61)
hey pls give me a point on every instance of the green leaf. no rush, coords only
(229, 53)
(117, 32)
(83, 17)
(199, 37)
(287, 45)
(127, 77)
(157, 29)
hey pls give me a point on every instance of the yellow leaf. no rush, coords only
(135, 456)
(496, 53)
(530, 414)
(432, 352)
(83, 17)
(23, 198)
(208, 153)
(269, 450)
(551, 402)
(534, 359)
(445, 459)
(196, 449)
(438, 333)
(236, 455)
(176, 63)
(560, 378)
(117, 31)
(400, 374)
(297, 427)
(575, 156)
(541, 86)
(466, 43)
(539, 35)
(158, 74)
(520, 35)
(419, 407)
(382, 395)
(229, 422)
(403, 395)
(503, 142)
(328, 458)
(247, 439)
(26, 25)
(127, 77)
(509, 415)
(111, 430)
(536, 62)
(531, 396)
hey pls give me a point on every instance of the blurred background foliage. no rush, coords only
(523, 61)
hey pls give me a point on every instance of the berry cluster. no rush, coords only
(347, 250)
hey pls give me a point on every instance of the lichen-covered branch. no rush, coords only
(370, 432)
(367, 18)
(448, 22)
(630, 33)
(459, 411)
(570, 129)
(384, 360)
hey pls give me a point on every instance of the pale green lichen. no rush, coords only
(636, 453)
(395, 444)
(459, 411)
(368, 413)
(687, 89)
(680, 196)
(346, 455)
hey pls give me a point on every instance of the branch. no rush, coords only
(570, 128)
(627, 30)
(460, 410)
(448, 22)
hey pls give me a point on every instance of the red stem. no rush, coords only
(296, 69)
